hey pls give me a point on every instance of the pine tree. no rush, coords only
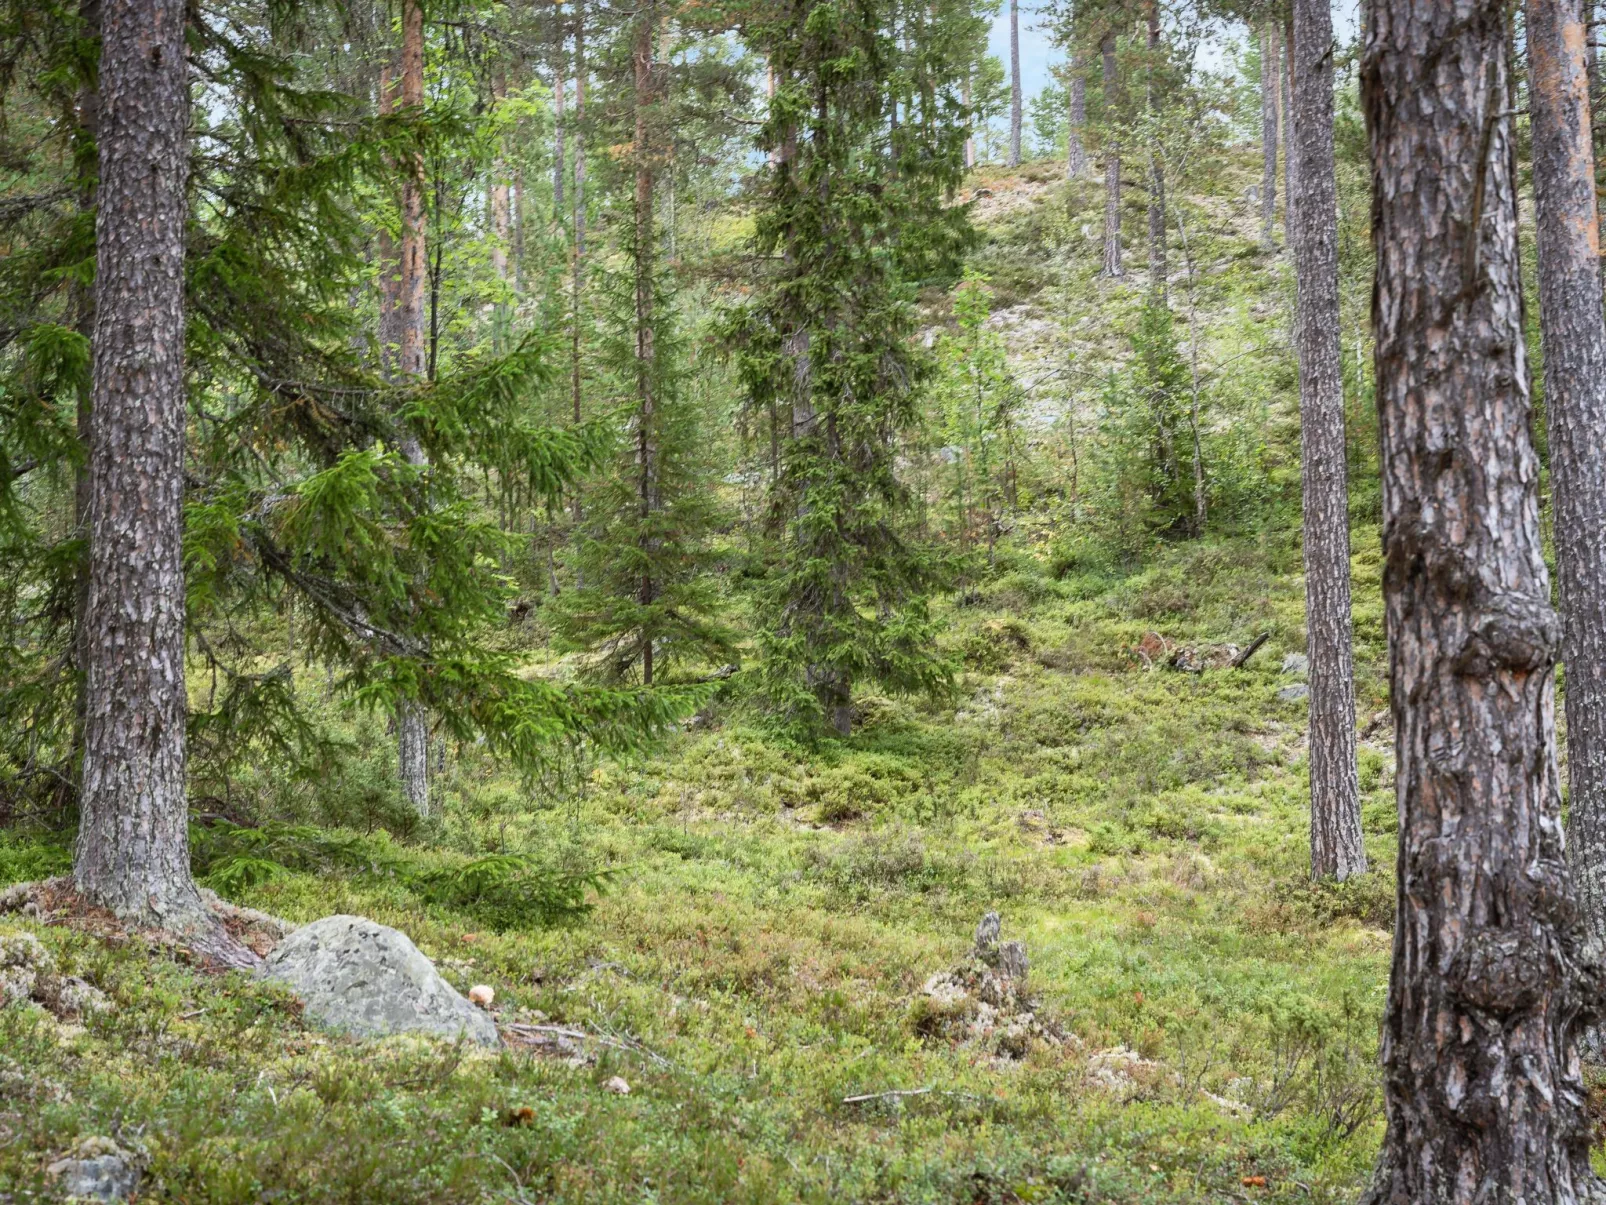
(1490, 975)
(1337, 849)
(132, 854)
(1575, 404)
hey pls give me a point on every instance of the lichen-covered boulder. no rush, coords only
(358, 977)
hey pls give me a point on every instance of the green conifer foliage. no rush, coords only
(854, 213)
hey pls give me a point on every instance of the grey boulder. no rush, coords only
(359, 977)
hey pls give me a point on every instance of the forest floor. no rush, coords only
(759, 955)
(755, 967)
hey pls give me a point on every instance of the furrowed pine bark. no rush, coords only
(1075, 146)
(1112, 158)
(1014, 83)
(1489, 982)
(1158, 268)
(1574, 333)
(1336, 847)
(1269, 56)
(412, 724)
(132, 854)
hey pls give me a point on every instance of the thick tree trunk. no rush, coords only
(1574, 333)
(1075, 144)
(133, 841)
(1489, 980)
(1269, 57)
(412, 724)
(1014, 83)
(646, 380)
(1112, 158)
(1336, 848)
(1158, 267)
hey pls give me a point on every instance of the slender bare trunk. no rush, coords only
(578, 273)
(1269, 57)
(1290, 160)
(133, 841)
(1076, 121)
(1159, 269)
(1194, 406)
(646, 383)
(1014, 83)
(497, 198)
(412, 725)
(1489, 981)
(1112, 158)
(558, 134)
(1337, 849)
(1574, 333)
(970, 140)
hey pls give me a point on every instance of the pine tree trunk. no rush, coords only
(1158, 267)
(1075, 146)
(1336, 847)
(1574, 333)
(500, 217)
(578, 272)
(970, 140)
(1287, 107)
(412, 725)
(1488, 985)
(1112, 159)
(1014, 83)
(646, 420)
(1269, 56)
(557, 135)
(133, 841)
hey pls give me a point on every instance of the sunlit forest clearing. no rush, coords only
(711, 603)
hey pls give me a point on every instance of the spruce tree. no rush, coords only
(827, 342)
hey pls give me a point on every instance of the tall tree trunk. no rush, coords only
(557, 136)
(1574, 333)
(578, 273)
(1076, 121)
(1337, 850)
(133, 842)
(1489, 980)
(646, 379)
(970, 139)
(1014, 83)
(500, 215)
(1112, 158)
(1269, 57)
(1158, 267)
(412, 725)
(1290, 160)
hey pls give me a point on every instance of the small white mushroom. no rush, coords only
(482, 994)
